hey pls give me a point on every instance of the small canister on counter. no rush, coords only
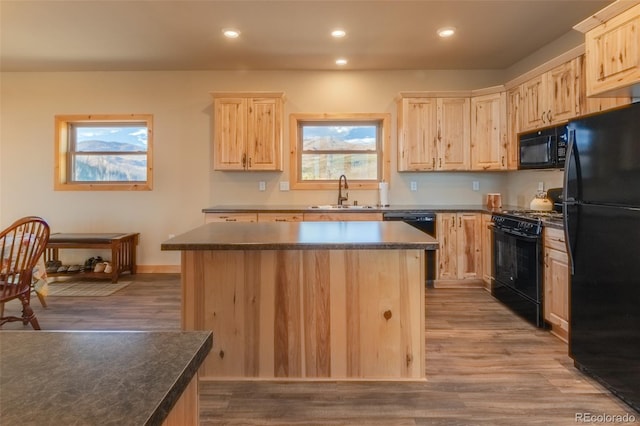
(494, 201)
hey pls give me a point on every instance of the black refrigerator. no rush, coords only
(602, 227)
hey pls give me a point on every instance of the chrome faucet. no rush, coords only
(346, 186)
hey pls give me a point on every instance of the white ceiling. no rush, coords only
(85, 35)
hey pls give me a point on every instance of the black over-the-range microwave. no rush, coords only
(544, 149)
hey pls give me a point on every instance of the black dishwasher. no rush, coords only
(426, 222)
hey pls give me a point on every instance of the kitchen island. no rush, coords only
(307, 300)
(100, 377)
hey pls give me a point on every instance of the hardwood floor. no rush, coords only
(485, 366)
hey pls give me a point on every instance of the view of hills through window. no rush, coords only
(110, 153)
(329, 151)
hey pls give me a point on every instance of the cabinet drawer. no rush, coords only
(230, 217)
(319, 217)
(554, 238)
(279, 217)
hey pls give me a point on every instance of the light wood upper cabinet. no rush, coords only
(594, 105)
(514, 117)
(433, 134)
(552, 97)
(489, 132)
(454, 128)
(247, 132)
(417, 134)
(556, 282)
(534, 109)
(459, 254)
(613, 56)
(563, 86)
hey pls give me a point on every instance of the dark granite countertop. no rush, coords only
(94, 377)
(302, 235)
(408, 208)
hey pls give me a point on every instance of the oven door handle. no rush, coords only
(517, 235)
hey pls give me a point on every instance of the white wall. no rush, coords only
(183, 181)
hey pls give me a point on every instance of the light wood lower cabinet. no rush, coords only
(459, 254)
(342, 217)
(230, 217)
(556, 283)
(487, 250)
(280, 217)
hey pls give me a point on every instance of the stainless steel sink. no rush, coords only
(341, 207)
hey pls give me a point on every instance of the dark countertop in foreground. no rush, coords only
(94, 377)
(301, 236)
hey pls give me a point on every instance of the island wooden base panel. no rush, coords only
(339, 314)
(186, 410)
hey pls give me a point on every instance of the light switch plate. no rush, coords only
(476, 185)
(540, 186)
(284, 186)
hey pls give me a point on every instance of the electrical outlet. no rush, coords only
(540, 186)
(171, 236)
(284, 186)
(262, 186)
(476, 185)
(414, 185)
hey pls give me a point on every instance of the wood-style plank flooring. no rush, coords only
(485, 366)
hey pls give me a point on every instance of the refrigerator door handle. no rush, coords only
(571, 170)
(572, 182)
(570, 227)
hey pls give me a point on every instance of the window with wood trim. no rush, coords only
(104, 152)
(325, 146)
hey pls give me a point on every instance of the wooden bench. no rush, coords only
(122, 246)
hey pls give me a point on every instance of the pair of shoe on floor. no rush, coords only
(103, 267)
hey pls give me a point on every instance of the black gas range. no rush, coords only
(533, 215)
(517, 261)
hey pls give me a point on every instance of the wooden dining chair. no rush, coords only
(21, 245)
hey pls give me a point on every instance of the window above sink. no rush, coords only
(325, 146)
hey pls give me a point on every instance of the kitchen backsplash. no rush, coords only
(434, 188)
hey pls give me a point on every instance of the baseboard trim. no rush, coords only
(459, 283)
(158, 269)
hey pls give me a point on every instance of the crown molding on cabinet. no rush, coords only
(435, 94)
(600, 17)
(488, 90)
(547, 66)
(249, 95)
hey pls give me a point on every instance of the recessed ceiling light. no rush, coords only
(338, 33)
(341, 61)
(446, 32)
(231, 33)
